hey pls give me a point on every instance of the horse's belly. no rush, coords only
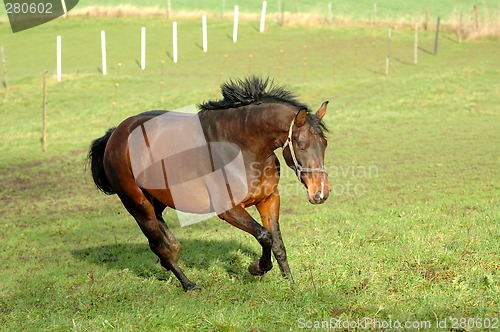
(194, 198)
(208, 194)
(190, 183)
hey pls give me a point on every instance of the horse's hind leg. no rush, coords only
(174, 243)
(161, 240)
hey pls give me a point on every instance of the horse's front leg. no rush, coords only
(241, 219)
(269, 210)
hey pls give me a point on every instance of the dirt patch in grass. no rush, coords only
(47, 185)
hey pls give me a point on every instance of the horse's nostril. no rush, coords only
(319, 197)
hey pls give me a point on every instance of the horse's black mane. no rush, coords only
(254, 89)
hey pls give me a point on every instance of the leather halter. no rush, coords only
(298, 168)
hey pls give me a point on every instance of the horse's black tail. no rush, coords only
(95, 159)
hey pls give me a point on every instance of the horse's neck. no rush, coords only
(262, 127)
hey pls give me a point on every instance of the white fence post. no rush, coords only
(235, 26)
(103, 52)
(204, 32)
(143, 48)
(174, 39)
(59, 60)
(263, 16)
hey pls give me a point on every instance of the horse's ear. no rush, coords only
(322, 110)
(301, 117)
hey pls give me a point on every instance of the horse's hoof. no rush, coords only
(255, 269)
(190, 287)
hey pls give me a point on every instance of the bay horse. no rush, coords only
(254, 115)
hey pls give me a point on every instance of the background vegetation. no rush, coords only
(363, 9)
(411, 232)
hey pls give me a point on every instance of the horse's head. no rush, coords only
(304, 152)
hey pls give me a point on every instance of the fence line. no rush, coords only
(415, 26)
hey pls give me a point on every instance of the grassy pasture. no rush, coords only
(411, 232)
(467, 18)
(363, 9)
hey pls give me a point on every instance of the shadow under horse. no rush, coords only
(219, 160)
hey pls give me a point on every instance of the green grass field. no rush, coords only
(410, 233)
(365, 10)
(385, 9)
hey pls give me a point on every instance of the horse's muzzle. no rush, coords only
(319, 197)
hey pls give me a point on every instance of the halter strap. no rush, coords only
(299, 169)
